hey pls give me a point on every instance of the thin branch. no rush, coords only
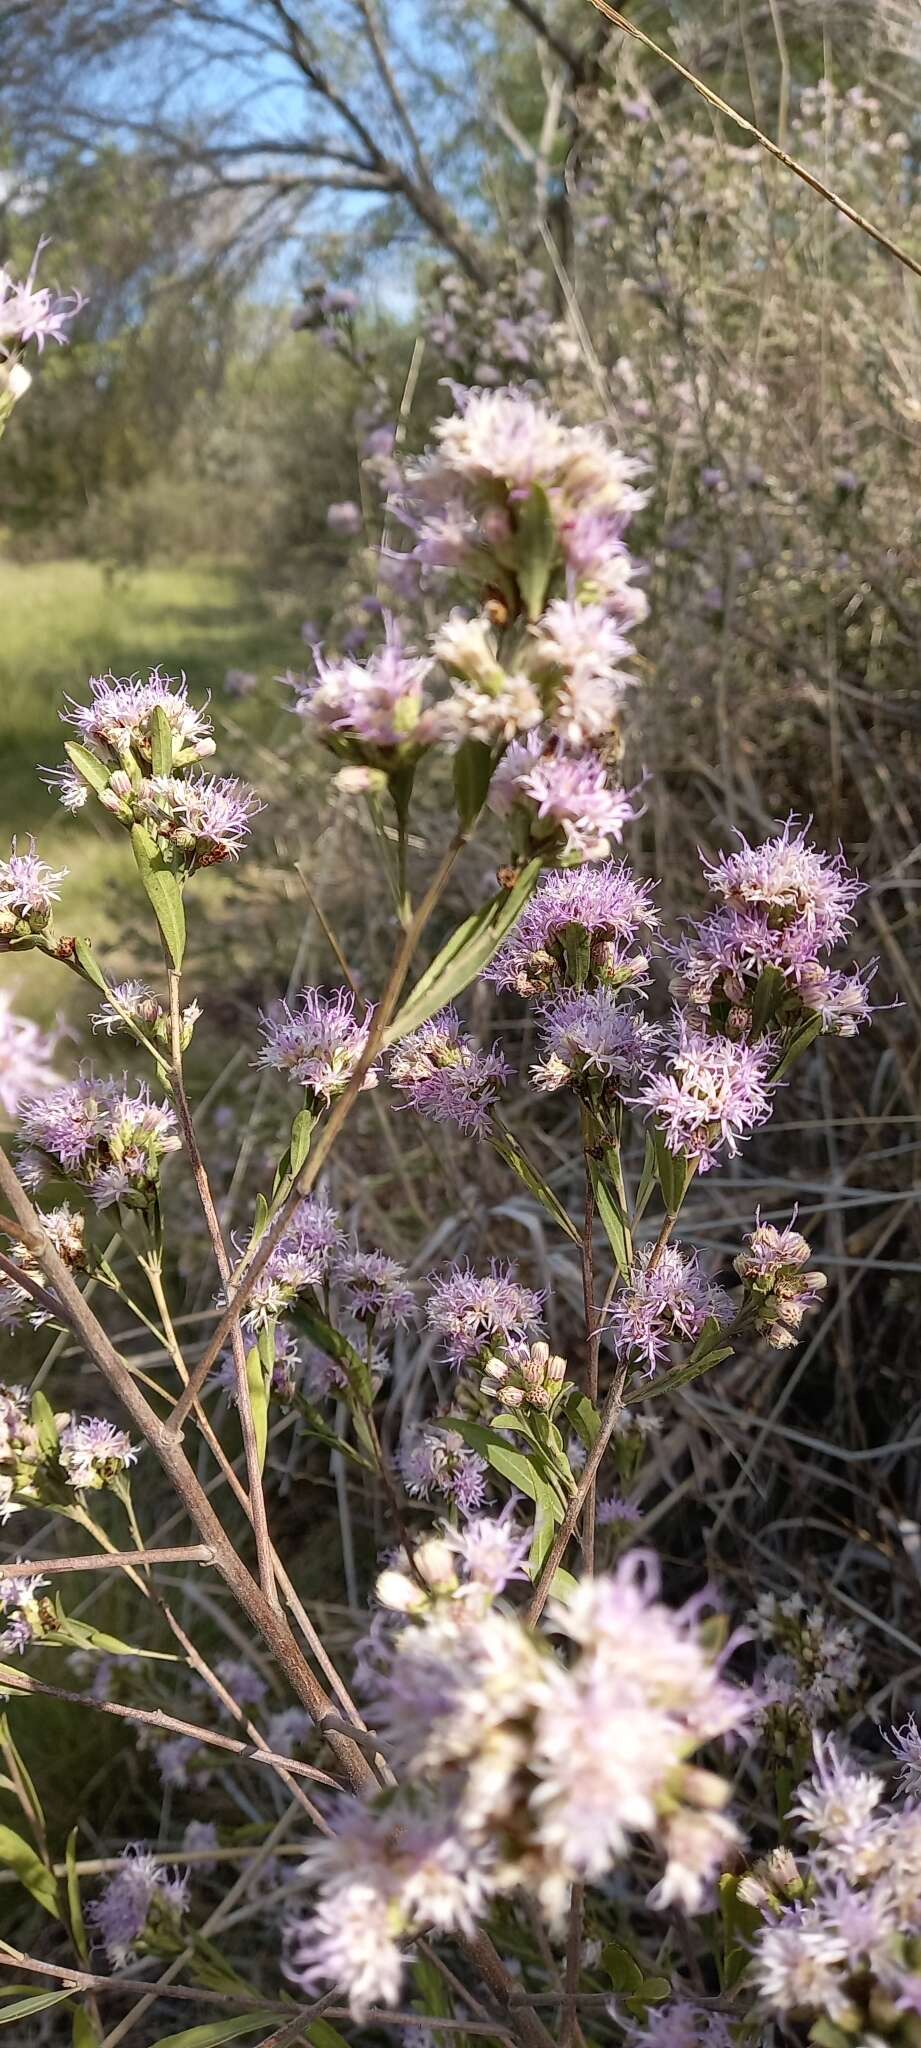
(180, 1553)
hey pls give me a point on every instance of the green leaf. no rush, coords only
(322, 2035)
(465, 955)
(78, 1635)
(826, 2035)
(528, 1471)
(769, 989)
(338, 1347)
(85, 2035)
(615, 1223)
(35, 2002)
(93, 771)
(163, 891)
(473, 766)
(215, 2031)
(506, 1144)
(20, 1857)
(256, 1381)
(622, 1968)
(260, 1219)
(537, 550)
(672, 1172)
(89, 965)
(740, 1922)
(74, 1903)
(43, 1420)
(710, 1339)
(583, 1415)
(799, 1044)
(161, 742)
(301, 1134)
(577, 947)
(647, 1179)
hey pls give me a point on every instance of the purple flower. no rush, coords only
(141, 1895)
(591, 1040)
(26, 1053)
(614, 1512)
(474, 1312)
(297, 1264)
(344, 518)
(374, 1288)
(206, 817)
(34, 313)
(20, 1615)
(492, 1551)
(839, 999)
(318, 1044)
(578, 648)
(789, 879)
(434, 1460)
(603, 900)
(671, 1302)
(443, 1074)
(94, 1452)
(377, 704)
(711, 1093)
(100, 1134)
(28, 889)
(677, 2025)
(568, 795)
(601, 568)
(245, 1684)
(117, 720)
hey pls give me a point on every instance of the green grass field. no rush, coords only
(63, 621)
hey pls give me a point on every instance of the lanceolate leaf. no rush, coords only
(509, 1149)
(89, 965)
(92, 770)
(215, 2031)
(19, 1856)
(798, 1045)
(29, 2007)
(473, 766)
(74, 1903)
(256, 1382)
(526, 1470)
(163, 891)
(161, 742)
(613, 1219)
(465, 955)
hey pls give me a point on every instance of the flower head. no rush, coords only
(117, 721)
(30, 312)
(603, 900)
(375, 1289)
(142, 1897)
(662, 1303)
(790, 880)
(434, 1460)
(475, 1312)
(565, 795)
(206, 818)
(442, 1074)
(94, 1452)
(318, 1043)
(298, 1263)
(100, 1134)
(28, 890)
(590, 1041)
(711, 1092)
(377, 704)
(20, 1613)
(778, 1289)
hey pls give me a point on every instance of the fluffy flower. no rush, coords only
(375, 1289)
(26, 1054)
(711, 1093)
(579, 647)
(101, 1135)
(299, 1262)
(567, 794)
(442, 1074)
(30, 312)
(318, 1043)
(434, 1460)
(20, 1614)
(117, 719)
(141, 1896)
(789, 879)
(28, 890)
(525, 1376)
(65, 1229)
(475, 1312)
(385, 1871)
(669, 1303)
(205, 817)
(378, 703)
(94, 1452)
(605, 901)
(817, 1669)
(591, 1040)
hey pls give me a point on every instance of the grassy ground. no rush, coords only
(66, 620)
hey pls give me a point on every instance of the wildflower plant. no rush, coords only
(545, 1734)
